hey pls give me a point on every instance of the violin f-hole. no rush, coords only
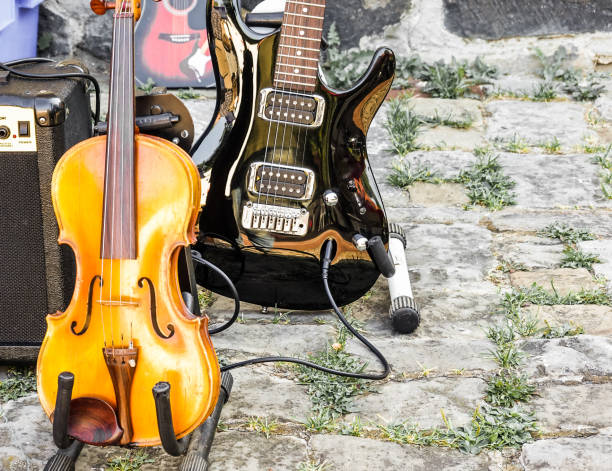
(158, 331)
(89, 307)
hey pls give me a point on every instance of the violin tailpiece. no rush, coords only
(121, 364)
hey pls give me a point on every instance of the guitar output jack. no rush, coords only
(5, 132)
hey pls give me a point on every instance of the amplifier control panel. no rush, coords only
(17, 129)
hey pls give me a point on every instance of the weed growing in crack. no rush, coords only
(536, 294)
(456, 79)
(507, 355)
(506, 387)
(321, 420)
(566, 330)
(516, 145)
(544, 91)
(510, 266)
(604, 160)
(354, 429)
(262, 425)
(188, 94)
(19, 382)
(566, 233)
(132, 461)
(486, 183)
(501, 334)
(552, 147)
(147, 88)
(206, 298)
(313, 465)
(576, 258)
(465, 122)
(403, 175)
(403, 126)
(554, 67)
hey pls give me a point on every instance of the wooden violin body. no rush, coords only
(167, 207)
(127, 204)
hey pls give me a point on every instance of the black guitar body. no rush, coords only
(279, 190)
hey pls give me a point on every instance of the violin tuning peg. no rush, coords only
(99, 7)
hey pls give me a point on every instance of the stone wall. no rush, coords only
(435, 29)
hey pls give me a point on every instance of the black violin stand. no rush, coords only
(197, 451)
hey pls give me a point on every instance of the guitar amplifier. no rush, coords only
(39, 121)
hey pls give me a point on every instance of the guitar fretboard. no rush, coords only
(297, 59)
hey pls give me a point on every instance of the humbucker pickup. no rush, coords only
(281, 181)
(287, 107)
(265, 217)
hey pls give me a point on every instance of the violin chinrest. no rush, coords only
(93, 421)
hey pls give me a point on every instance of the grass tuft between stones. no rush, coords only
(19, 382)
(133, 460)
(486, 183)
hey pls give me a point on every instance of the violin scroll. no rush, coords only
(100, 7)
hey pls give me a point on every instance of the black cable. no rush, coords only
(196, 256)
(89, 77)
(327, 252)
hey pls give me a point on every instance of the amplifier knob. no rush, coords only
(330, 198)
(360, 242)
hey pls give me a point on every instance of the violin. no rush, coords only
(127, 204)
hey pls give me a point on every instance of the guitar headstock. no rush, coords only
(100, 7)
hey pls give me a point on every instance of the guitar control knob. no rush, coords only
(330, 198)
(351, 185)
(360, 242)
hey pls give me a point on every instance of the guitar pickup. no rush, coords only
(280, 106)
(282, 181)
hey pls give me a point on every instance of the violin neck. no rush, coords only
(119, 218)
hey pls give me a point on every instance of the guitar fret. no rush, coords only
(305, 3)
(303, 38)
(303, 45)
(299, 57)
(300, 47)
(289, 81)
(305, 16)
(300, 66)
(303, 27)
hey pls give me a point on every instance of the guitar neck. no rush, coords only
(299, 48)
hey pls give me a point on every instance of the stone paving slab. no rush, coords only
(345, 453)
(257, 392)
(410, 355)
(568, 359)
(421, 401)
(274, 339)
(538, 122)
(524, 220)
(432, 194)
(594, 319)
(565, 280)
(248, 451)
(603, 249)
(573, 408)
(531, 252)
(545, 181)
(569, 454)
(451, 138)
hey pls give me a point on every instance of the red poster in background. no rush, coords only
(171, 44)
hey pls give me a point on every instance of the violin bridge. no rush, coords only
(121, 364)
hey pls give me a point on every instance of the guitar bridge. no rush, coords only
(265, 217)
(280, 106)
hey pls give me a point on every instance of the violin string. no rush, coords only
(124, 22)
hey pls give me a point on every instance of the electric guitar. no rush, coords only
(287, 165)
(172, 46)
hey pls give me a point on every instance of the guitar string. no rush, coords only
(271, 122)
(288, 97)
(123, 100)
(278, 122)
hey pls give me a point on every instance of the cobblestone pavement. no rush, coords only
(463, 260)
